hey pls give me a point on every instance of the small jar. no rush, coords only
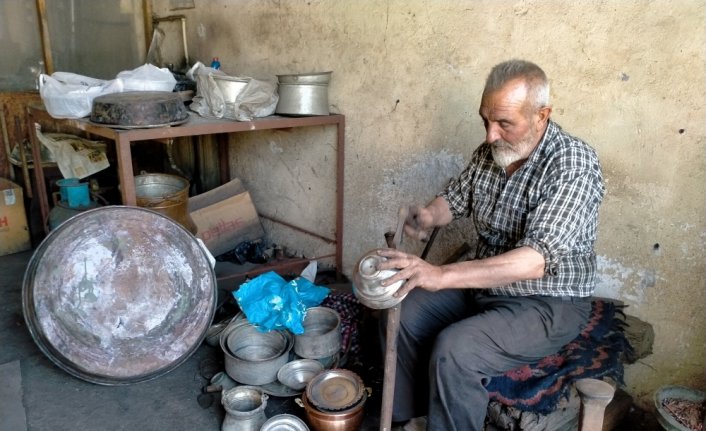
(245, 408)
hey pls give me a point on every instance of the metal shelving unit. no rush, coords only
(197, 126)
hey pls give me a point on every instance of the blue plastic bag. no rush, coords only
(269, 302)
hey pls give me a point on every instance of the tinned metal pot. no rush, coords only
(253, 357)
(322, 334)
(367, 280)
(303, 94)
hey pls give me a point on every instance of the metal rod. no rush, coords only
(427, 247)
(297, 228)
(393, 327)
(388, 383)
(183, 38)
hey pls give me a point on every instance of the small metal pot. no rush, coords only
(322, 334)
(245, 409)
(249, 364)
(366, 283)
(335, 390)
(347, 420)
(230, 87)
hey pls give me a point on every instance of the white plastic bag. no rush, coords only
(258, 99)
(147, 77)
(68, 95)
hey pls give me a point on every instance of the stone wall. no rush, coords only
(627, 77)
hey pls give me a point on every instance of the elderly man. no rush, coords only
(533, 192)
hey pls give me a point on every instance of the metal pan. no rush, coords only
(119, 295)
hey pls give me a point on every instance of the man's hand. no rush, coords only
(418, 223)
(416, 272)
(421, 220)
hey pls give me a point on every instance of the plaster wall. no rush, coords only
(627, 77)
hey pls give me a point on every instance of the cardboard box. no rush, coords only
(14, 232)
(225, 217)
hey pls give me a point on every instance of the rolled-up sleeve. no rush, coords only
(563, 223)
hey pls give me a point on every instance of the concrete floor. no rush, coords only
(54, 400)
(36, 395)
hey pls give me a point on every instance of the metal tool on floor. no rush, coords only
(393, 328)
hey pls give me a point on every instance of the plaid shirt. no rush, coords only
(550, 204)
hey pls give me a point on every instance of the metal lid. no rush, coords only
(317, 78)
(335, 389)
(284, 422)
(118, 295)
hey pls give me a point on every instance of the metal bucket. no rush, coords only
(119, 295)
(166, 194)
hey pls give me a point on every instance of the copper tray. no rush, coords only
(118, 295)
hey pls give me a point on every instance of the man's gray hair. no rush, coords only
(533, 75)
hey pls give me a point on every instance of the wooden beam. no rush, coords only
(44, 36)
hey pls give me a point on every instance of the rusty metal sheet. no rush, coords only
(119, 295)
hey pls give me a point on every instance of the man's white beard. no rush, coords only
(504, 154)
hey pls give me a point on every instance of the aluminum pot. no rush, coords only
(366, 283)
(346, 420)
(322, 334)
(250, 364)
(230, 87)
(304, 94)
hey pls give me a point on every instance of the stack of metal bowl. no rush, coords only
(254, 357)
